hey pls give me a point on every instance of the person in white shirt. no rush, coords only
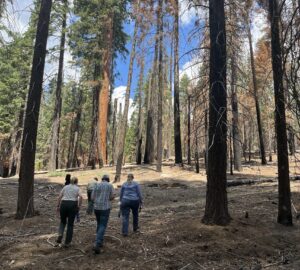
(69, 203)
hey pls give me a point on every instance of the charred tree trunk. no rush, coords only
(25, 206)
(189, 162)
(177, 130)
(94, 145)
(123, 126)
(140, 118)
(216, 208)
(53, 162)
(255, 93)
(284, 193)
(74, 133)
(160, 88)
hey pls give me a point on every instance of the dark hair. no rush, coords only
(67, 179)
(105, 177)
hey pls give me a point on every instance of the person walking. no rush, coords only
(102, 196)
(90, 187)
(69, 203)
(131, 199)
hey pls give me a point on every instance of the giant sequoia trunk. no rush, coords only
(53, 162)
(123, 126)
(104, 92)
(216, 208)
(177, 136)
(255, 93)
(114, 131)
(25, 206)
(189, 161)
(160, 89)
(284, 192)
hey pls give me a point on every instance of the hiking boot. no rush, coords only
(67, 245)
(96, 249)
(59, 239)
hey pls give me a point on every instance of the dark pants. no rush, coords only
(68, 211)
(102, 217)
(90, 207)
(126, 206)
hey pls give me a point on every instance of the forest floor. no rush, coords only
(172, 235)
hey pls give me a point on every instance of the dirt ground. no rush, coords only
(172, 235)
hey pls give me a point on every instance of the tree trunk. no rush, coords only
(114, 130)
(284, 193)
(189, 132)
(123, 126)
(94, 145)
(177, 130)
(255, 93)
(53, 162)
(25, 206)
(216, 208)
(160, 88)
(104, 92)
(74, 133)
(140, 117)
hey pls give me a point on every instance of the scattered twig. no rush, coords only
(185, 266)
(116, 238)
(271, 264)
(71, 257)
(49, 242)
(82, 251)
(202, 267)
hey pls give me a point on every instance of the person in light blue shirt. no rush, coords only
(131, 199)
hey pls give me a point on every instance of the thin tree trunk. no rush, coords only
(189, 132)
(123, 127)
(160, 88)
(114, 130)
(53, 162)
(140, 117)
(216, 208)
(177, 130)
(25, 206)
(284, 193)
(255, 92)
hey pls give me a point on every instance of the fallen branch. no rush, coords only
(71, 257)
(185, 266)
(116, 238)
(234, 183)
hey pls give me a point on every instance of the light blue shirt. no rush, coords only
(131, 191)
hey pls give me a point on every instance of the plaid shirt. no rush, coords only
(102, 195)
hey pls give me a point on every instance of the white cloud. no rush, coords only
(119, 93)
(191, 69)
(187, 13)
(259, 23)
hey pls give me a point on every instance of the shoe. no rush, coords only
(59, 239)
(136, 231)
(124, 234)
(96, 250)
(67, 245)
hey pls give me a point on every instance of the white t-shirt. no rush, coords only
(70, 193)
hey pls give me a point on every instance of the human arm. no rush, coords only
(139, 193)
(112, 193)
(61, 194)
(121, 193)
(79, 199)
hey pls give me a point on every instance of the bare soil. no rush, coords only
(172, 235)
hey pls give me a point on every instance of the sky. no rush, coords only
(17, 17)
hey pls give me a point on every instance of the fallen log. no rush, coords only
(234, 183)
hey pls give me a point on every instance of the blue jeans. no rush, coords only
(126, 206)
(102, 217)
